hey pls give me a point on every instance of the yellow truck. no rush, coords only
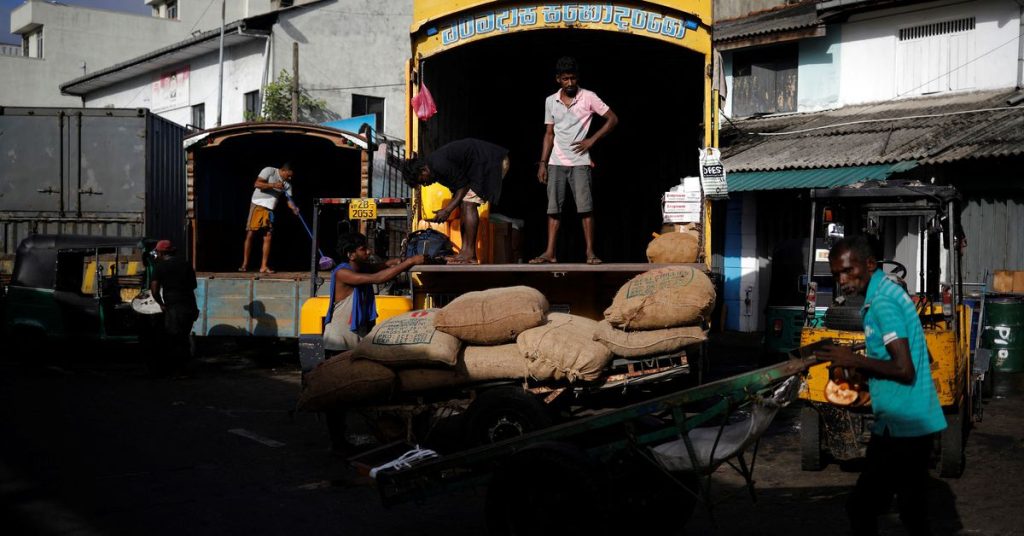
(914, 220)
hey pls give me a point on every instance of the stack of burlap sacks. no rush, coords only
(508, 333)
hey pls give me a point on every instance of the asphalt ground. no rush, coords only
(97, 446)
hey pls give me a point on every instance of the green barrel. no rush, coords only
(1004, 332)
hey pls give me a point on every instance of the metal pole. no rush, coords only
(60, 176)
(808, 315)
(313, 250)
(954, 265)
(295, 81)
(78, 209)
(220, 77)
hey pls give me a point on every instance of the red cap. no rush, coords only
(164, 245)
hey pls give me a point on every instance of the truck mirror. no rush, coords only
(835, 231)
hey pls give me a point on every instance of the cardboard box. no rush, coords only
(682, 217)
(690, 184)
(682, 196)
(1002, 281)
(676, 207)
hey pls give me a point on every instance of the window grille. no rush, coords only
(937, 28)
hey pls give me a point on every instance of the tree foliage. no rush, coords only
(277, 102)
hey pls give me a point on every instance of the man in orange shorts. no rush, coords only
(270, 185)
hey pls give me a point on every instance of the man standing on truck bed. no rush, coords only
(270, 184)
(565, 156)
(473, 170)
(903, 397)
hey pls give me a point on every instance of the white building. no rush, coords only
(61, 42)
(868, 89)
(352, 56)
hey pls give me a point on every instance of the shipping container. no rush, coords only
(88, 171)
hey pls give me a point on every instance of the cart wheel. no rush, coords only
(951, 446)
(504, 412)
(649, 500)
(811, 458)
(549, 488)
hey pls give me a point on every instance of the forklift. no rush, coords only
(912, 224)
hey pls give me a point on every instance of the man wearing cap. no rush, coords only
(270, 185)
(173, 285)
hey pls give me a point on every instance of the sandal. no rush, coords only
(461, 260)
(593, 260)
(541, 259)
(267, 271)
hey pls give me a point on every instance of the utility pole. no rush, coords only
(220, 78)
(295, 81)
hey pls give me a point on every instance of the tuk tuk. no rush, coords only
(73, 288)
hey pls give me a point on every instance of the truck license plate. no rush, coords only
(362, 209)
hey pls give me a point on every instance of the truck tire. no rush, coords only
(502, 413)
(548, 488)
(811, 456)
(845, 317)
(951, 443)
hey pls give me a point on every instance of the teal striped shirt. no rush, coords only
(904, 410)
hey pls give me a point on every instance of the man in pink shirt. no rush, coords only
(565, 157)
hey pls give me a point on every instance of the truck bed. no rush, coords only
(250, 303)
(576, 288)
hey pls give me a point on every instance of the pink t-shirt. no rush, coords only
(571, 124)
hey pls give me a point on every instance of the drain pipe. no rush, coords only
(266, 60)
(1020, 45)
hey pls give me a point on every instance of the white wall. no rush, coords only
(869, 46)
(78, 41)
(350, 47)
(243, 72)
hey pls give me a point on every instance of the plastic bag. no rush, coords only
(423, 104)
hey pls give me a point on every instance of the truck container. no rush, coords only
(88, 171)
(490, 65)
(222, 165)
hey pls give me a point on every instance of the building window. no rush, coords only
(252, 105)
(765, 80)
(172, 9)
(32, 44)
(365, 105)
(935, 57)
(199, 116)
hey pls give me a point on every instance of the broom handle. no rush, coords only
(304, 224)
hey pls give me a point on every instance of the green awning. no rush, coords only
(751, 181)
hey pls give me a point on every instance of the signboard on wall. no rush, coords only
(170, 90)
(598, 16)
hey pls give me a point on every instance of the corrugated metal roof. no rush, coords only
(780, 20)
(929, 130)
(811, 178)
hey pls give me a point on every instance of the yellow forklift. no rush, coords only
(914, 225)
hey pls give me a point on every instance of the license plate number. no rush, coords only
(362, 209)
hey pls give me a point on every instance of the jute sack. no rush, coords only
(645, 343)
(662, 298)
(673, 248)
(494, 316)
(564, 349)
(476, 364)
(343, 379)
(409, 339)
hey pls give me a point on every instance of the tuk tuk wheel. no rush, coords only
(811, 456)
(951, 443)
(548, 488)
(502, 413)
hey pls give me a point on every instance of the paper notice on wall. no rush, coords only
(712, 174)
(170, 90)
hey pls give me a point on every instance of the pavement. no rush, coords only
(97, 446)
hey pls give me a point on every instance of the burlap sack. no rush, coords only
(476, 364)
(647, 343)
(662, 298)
(343, 380)
(673, 248)
(564, 349)
(494, 316)
(409, 340)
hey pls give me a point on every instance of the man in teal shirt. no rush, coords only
(903, 397)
